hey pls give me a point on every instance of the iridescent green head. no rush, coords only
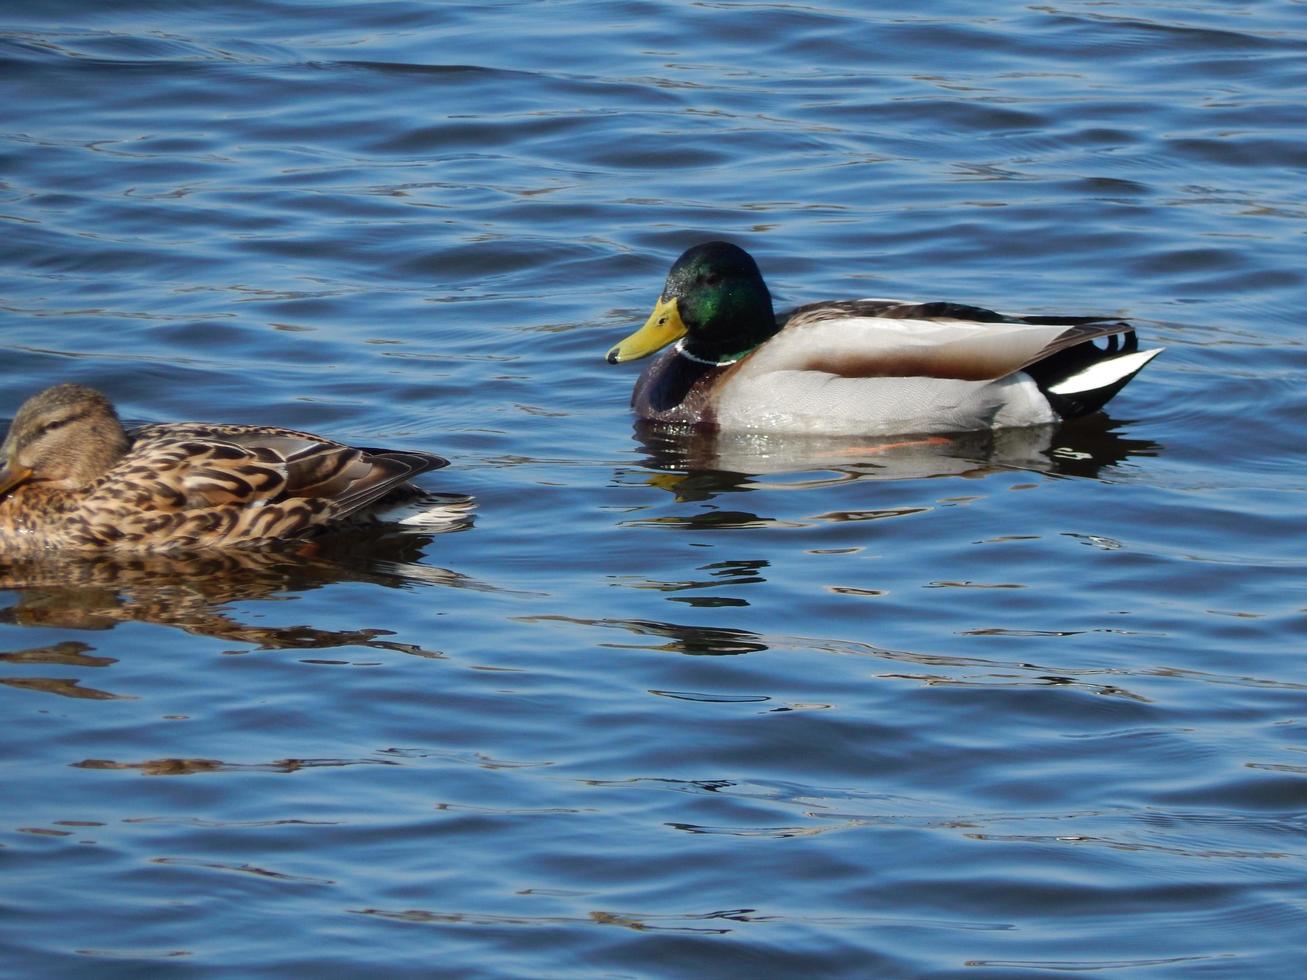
(715, 298)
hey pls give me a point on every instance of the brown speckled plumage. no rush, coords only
(70, 477)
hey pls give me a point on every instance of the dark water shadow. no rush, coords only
(699, 465)
(194, 591)
(925, 668)
(650, 634)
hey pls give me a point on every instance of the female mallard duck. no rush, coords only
(861, 367)
(71, 477)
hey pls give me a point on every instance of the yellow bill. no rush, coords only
(12, 476)
(663, 326)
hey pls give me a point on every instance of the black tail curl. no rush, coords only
(1053, 370)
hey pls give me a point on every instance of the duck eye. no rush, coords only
(51, 426)
(711, 279)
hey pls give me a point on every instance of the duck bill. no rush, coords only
(663, 326)
(12, 476)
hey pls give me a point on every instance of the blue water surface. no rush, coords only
(1012, 706)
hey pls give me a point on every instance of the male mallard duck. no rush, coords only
(71, 477)
(861, 367)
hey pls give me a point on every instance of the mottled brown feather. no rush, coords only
(186, 485)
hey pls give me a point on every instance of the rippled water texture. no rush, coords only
(983, 707)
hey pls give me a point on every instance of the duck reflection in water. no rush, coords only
(194, 590)
(697, 465)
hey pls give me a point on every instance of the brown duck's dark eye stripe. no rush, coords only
(54, 424)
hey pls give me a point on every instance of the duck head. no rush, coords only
(66, 437)
(715, 299)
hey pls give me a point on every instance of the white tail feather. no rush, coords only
(1103, 373)
(429, 512)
